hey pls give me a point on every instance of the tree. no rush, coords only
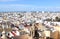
(57, 19)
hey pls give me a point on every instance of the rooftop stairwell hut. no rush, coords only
(55, 34)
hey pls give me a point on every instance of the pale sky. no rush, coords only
(29, 5)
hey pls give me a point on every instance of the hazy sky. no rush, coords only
(28, 5)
